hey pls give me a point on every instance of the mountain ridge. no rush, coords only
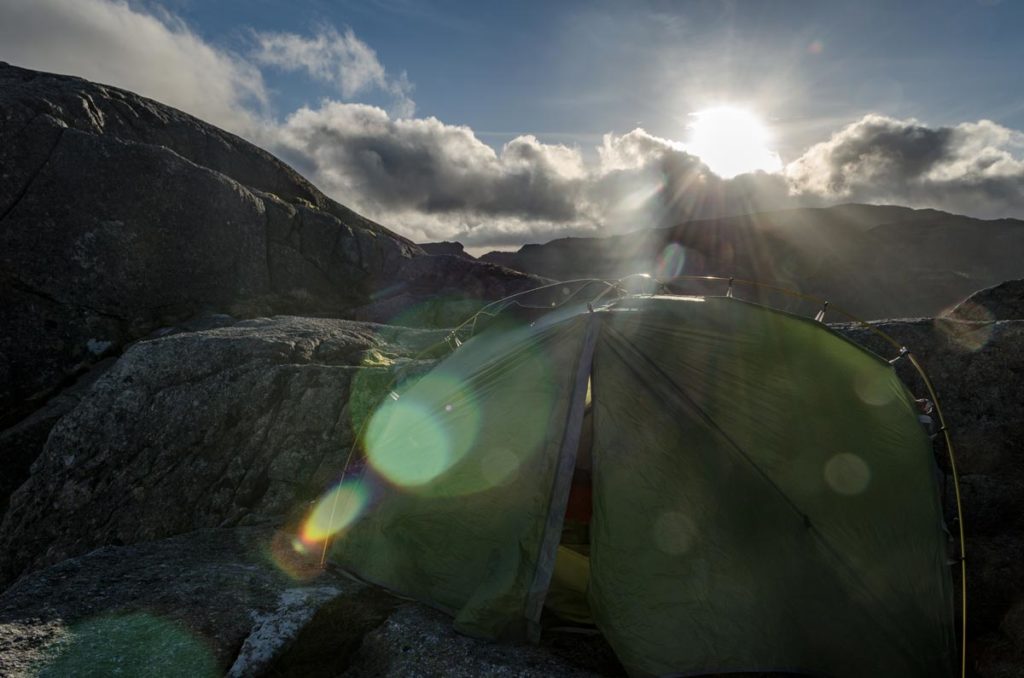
(878, 261)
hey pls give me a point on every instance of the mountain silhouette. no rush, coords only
(876, 261)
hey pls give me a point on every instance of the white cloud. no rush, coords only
(969, 168)
(340, 59)
(113, 43)
(633, 150)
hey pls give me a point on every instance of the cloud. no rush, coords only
(360, 154)
(968, 168)
(432, 180)
(646, 181)
(157, 56)
(340, 59)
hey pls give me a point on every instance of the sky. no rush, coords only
(497, 124)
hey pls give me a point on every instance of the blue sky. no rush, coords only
(502, 123)
(573, 70)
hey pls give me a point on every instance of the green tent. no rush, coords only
(764, 497)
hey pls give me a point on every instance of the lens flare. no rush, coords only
(971, 329)
(134, 643)
(670, 262)
(873, 388)
(334, 511)
(674, 533)
(297, 559)
(847, 474)
(422, 434)
(498, 466)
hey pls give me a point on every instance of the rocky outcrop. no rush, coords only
(1000, 302)
(21, 443)
(182, 606)
(244, 602)
(455, 249)
(119, 216)
(214, 428)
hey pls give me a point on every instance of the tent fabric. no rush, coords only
(792, 517)
(465, 533)
(763, 495)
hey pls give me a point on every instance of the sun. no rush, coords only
(731, 141)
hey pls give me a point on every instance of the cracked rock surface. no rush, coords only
(193, 605)
(242, 602)
(216, 428)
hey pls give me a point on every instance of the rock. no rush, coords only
(455, 249)
(119, 215)
(1000, 302)
(417, 641)
(280, 628)
(442, 291)
(114, 232)
(21, 444)
(204, 429)
(243, 602)
(977, 369)
(181, 606)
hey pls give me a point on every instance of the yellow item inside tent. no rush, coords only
(567, 596)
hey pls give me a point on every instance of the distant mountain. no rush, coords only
(876, 261)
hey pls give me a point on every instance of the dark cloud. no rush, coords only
(436, 181)
(360, 154)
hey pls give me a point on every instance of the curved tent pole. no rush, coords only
(938, 409)
(495, 307)
(615, 287)
(959, 510)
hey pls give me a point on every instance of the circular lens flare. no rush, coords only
(334, 511)
(498, 466)
(136, 643)
(847, 474)
(297, 559)
(670, 262)
(674, 533)
(416, 438)
(970, 329)
(874, 388)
